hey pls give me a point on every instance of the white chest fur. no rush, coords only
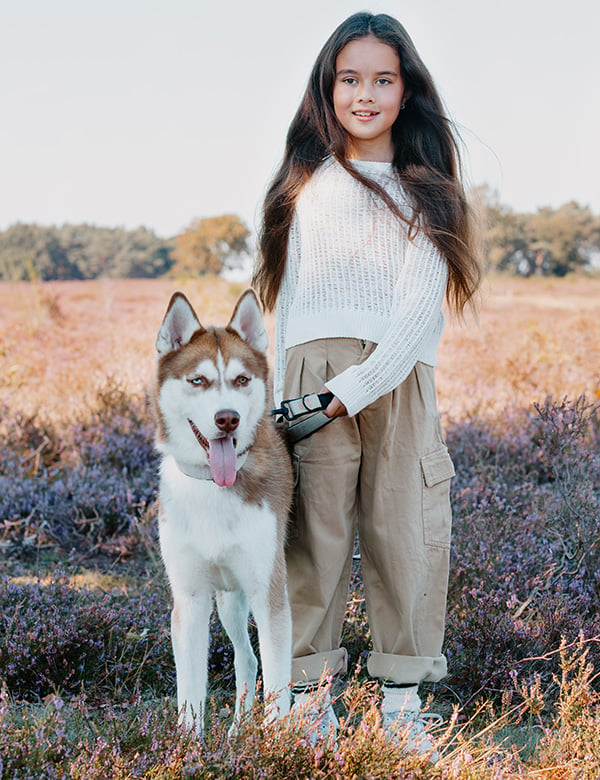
(209, 535)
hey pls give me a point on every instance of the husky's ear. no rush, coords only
(247, 321)
(179, 325)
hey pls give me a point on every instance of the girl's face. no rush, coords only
(367, 95)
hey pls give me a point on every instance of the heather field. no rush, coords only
(86, 671)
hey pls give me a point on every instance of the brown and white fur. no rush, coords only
(225, 492)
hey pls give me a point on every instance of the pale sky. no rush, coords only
(154, 112)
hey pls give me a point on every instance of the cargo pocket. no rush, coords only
(438, 470)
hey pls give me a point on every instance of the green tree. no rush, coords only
(563, 235)
(503, 230)
(208, 244)
(549, 241)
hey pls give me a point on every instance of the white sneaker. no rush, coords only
(401, 716)
(313, 705)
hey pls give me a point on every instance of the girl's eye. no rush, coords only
(349, 80)
(198, 381)
(383, 81)
(241, 380)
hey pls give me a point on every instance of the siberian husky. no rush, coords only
(225, 492)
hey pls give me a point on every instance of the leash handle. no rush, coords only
(292, 408)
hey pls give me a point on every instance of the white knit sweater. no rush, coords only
(352, 271)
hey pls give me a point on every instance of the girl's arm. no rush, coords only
(418, 300)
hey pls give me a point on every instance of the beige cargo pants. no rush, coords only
(385, 472)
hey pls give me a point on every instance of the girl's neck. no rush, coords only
(367, 153)
(369, 160)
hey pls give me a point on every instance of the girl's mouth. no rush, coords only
(365, 114)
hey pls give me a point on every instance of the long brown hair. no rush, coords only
(426, 158)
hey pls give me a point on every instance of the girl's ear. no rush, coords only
(247, 321)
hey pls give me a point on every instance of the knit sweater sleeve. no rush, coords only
(284, 299)
(418, 298)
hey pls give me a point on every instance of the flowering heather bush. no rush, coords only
(55, 637)
(356, 637)
(526, 546)
(58, 638)
(61, 739)
(526, 549)
(84, 486)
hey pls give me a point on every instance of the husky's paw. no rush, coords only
(189, 722)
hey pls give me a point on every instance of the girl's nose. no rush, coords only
(365, 95)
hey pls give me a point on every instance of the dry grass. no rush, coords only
(535, 337)
(60, 341)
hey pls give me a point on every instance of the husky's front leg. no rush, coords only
(274, 622)
(233, 612)
(190, 620)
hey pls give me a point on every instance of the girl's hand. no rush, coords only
(336, 408)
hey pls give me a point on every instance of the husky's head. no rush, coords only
(211, 386)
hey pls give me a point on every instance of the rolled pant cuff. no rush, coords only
(311, 668)
(406, 669)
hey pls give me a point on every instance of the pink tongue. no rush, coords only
(222, 460)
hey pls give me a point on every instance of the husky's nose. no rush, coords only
(227, 420)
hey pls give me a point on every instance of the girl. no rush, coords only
(365, 229)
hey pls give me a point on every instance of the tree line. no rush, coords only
(548, 241)
(36, 252)
(40, 253)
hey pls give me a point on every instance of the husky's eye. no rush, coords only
(198, 381)
(241, 380)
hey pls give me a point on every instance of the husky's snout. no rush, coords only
(222, 455)
(227, 420)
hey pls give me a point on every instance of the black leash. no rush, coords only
(306, 404)
(310, 404)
